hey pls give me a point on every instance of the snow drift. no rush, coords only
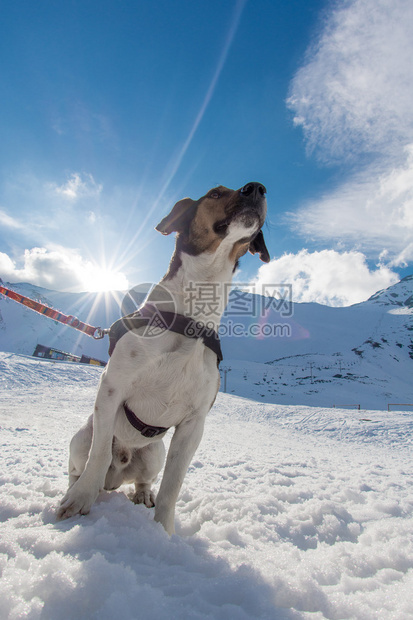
(287, 512)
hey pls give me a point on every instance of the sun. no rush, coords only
(101, 279)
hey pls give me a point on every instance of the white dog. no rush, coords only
(163, 371)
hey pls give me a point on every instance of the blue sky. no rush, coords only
(112, 111)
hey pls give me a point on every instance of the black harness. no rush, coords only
(154, 321)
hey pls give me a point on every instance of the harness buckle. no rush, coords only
(148, 432)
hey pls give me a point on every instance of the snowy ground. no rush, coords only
(286, 512)
(293, 381)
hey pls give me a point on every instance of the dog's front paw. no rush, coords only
(144, 496)
(76, 502)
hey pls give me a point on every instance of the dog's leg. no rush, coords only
(79, 451)
(184, 443)
(83, 493)
(147, 463)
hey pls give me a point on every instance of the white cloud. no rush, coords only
(373, 210)
(7, 266)
(78, 186)
(61, 269)
(45, 207)
(91, 217)
(355, 89)
(326, 277)
(7, 221)
(79, 212)
(352, 97)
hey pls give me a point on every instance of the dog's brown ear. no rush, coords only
(179, 218)
(257, 245)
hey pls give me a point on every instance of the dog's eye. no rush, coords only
(214, 194)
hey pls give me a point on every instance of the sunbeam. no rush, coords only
(175, 164)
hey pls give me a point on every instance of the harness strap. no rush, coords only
(145, 429)
(154, 320)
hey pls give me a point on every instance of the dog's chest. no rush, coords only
(168, 387)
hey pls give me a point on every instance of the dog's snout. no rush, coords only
(253, 188)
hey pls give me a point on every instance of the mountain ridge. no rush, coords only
(303, 349)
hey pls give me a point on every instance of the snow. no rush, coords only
(287, 511)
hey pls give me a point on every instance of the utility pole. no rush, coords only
(225, 370)
(311, 364)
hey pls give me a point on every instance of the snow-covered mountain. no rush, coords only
(278, 351)
(361, 354)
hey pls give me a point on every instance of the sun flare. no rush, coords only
(101, 279)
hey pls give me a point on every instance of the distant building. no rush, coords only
(85, 359)
(54, 354)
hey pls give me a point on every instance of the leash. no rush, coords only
(147, 316)
(71, 321)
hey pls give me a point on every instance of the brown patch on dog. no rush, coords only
(133, 353)
(124, 457)
(239, 249)
(210, 211)
(111, 391)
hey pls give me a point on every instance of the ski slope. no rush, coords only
(287, 512)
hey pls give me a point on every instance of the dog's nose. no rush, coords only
(253, 188)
